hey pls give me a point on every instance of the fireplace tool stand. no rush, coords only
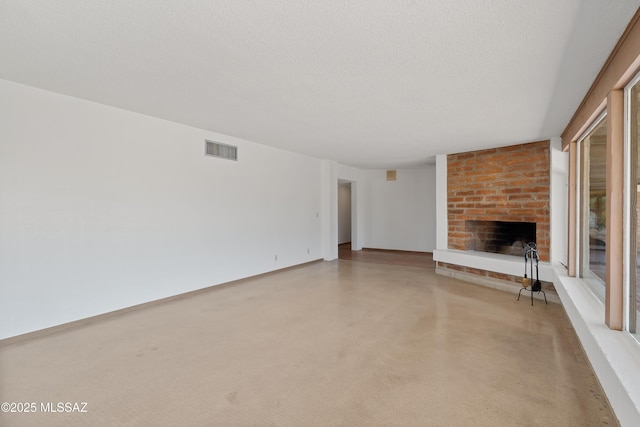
(531, 254)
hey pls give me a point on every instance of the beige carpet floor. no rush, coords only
(339, 343)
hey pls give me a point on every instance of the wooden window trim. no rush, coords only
(614, 297)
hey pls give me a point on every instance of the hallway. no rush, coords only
(380, 256)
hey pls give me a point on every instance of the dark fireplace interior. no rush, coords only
(500, 237)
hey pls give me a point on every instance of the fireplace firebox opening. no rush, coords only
(501, 237)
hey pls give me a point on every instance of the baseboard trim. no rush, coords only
(103, 316)
(396, 250)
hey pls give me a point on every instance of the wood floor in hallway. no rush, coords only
(339, 343)
(379, 256)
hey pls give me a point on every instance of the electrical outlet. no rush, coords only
(276, 257)
(307, 250)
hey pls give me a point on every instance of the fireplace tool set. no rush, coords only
(531, 254)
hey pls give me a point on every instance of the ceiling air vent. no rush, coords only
(224, 151)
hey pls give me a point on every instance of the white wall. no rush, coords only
(559, 198)
(102, 209)
(401, 213)
(442, 217)
(344, 212)
(330, 209)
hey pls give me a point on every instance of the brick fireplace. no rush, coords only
(492, 191)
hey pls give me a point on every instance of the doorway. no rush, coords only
(344, 217)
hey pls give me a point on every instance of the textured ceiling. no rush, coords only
(370, 83)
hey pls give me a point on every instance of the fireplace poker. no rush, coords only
(537, 285)
(525, 280)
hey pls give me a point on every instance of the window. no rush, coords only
(633, 221)
(593, 204)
